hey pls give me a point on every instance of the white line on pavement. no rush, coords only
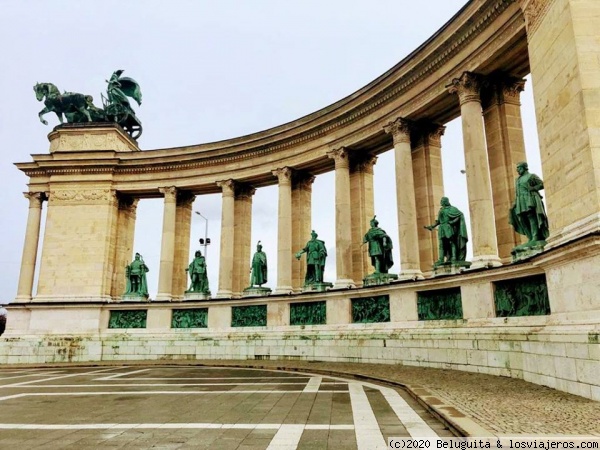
(286, 438)
(313, 384)
(105, 426)
(409, 418)
(366, 428)
(55, 378)
(30, 375)
(121, 374)
(174, 385)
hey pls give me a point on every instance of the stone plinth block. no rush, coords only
(196, 296)
(376, 279)
(255, 291)
(528, 250)
(134, 298)
(95, 136)
(450, 268)
(317, 287)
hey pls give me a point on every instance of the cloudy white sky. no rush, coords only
(211, 70)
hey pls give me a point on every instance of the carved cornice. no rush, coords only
(284, 175)
(340, 157)
(467, 87)
(35, 199)
(227, 187)
(83, 196)
(534, 11)
(399, 129)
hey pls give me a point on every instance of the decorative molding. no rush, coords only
(83, 196)
(534, 11)
(228, 187)
(340, 157)
(35, 199)
(284, 175)
(169, 192)
(467, 87)
(399, 129)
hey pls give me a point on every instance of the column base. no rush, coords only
(134, 298)
(22, 299)
(258, 291)
(376, 279)
(196, 296)
(163, 297)
(224, 294)
(413, 275)
(280, 290)
(485, 262)
(317, 287)
(343, 284)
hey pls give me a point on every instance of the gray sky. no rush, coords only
(212, 70)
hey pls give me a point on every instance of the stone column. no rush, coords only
(429, 188)
(506, 147)
(227, 237)
(242, 235)
(481, 206)
(167, 248)
(124, 243)
(343, 218)
(30, 247)
(285, 253)
(301, 222)
(362, 210)
(183, 223)
(405, 196)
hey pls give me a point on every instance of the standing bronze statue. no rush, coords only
(452, 234)
(198, 274)
(316, 254)
(527, 215)
(259, 267)
(380, 247)
(137, 286)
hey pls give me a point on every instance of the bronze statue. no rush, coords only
(527, 215)
(259, 267)
(69, 103)
(198, 274)
(136, 277)
(316, 254)
(3, 314)
(380, 247)
(452, 234)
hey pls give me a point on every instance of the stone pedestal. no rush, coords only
(256, 291)
(134, 298)
(76, 137)
(450, 268)
(528, 250)
(376, 279)
(196, 296)
(317, 287)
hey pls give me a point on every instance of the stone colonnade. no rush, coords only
(493, 143)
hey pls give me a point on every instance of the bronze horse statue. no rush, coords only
(76, 107)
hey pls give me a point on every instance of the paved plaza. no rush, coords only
(177, 407)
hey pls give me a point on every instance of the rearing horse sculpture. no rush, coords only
(67, 103)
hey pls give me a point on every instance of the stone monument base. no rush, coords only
(450, 268)
(526, 251)
(135, 298)
(317, 287)
(256, 291)
(376, 279)
(196, 296)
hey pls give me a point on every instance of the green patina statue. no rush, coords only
(380, 247)
(259, 267)
(452, 234)
(136, 278)
(316, 254)
(80, 108)
(527, 215)
(198, 274)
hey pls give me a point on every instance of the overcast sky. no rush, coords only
(212, 70)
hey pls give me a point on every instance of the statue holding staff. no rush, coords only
(259, 267)
(452, 234)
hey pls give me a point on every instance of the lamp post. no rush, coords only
(206, 240)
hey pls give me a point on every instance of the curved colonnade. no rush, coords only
(472, 67)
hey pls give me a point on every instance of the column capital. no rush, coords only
(185, 199)
(400, 129)
(467, 87)
(170, 193)
(284, 175)
(503, 89)
(228, 187)
(364, 163)
(303, 180)
(244, 191)
(35, 198)
(127, 202)
(429, 133)
(340, 157)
